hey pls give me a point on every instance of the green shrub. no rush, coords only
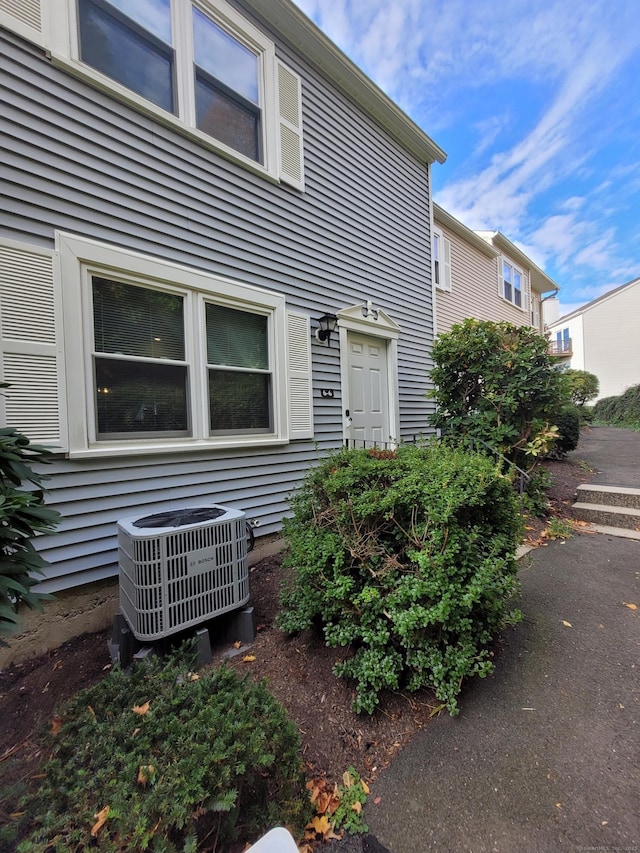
(405, 560)
(22, 516)
(495, 382)
(623, 411)
(580, 385)
(211, 759)
(568, 422)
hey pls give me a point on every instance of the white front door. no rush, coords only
(368, 392)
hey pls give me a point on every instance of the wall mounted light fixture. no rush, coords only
(326, 324)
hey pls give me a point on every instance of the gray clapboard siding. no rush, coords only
(77, 160)
(136, 204)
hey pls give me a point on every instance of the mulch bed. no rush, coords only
(298, 670)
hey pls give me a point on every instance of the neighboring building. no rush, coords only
(602, 338)
(481, 274)
(169, 240)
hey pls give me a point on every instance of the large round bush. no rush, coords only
(406, 560)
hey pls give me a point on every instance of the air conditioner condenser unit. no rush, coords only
(181, 567)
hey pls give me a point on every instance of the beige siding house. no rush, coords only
(602, 337)
(482, 274)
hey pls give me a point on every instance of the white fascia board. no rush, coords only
(443, 218)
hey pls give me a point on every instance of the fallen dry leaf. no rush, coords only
(630, 606)
(101, 820)
(193, 676)
(377, 801)
(237, 644)
(56, 725)
(567, 624)
(248, 659)
(141, 709)
(357, 807)
(146, 772)
(320, 825)
(91, 711)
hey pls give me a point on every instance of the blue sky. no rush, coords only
(537, 104)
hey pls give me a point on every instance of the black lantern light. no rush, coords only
(326, 324)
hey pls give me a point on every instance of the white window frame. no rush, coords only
(441, 273)
(80, 259)
(65, 51)
(503, 261)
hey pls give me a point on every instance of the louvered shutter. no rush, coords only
(527, 296)
(446, 264)
(290, 148)
(24, 17)
(30, 342)
(299, 376)
(500, 263)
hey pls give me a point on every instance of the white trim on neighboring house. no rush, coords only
(441, 260)
(512, 283)
(365, 319)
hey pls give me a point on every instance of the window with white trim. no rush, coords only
(512, 283)
(441, 260)
(163, 357)
(197, 65)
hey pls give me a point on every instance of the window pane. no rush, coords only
(152, 15)
(113, 44)
(226, 120)
(138, 397)
(239, 402)
(236, 338)
(222, 56)
(137, 321)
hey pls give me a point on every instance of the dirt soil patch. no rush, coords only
(298, 670)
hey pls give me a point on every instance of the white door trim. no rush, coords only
(374, 323)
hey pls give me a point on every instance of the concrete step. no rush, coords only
(611, 516)
(609, 495)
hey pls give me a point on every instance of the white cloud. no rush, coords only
(438, 57)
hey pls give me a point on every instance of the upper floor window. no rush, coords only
(441, 260)
(512, 283)
(123, 41)
(197, 66)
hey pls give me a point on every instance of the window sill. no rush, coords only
(119, 449)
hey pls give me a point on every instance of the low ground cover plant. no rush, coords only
(166, 759)
(406, 560)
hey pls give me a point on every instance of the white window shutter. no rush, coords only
(500, 263)
(446, 264)
(300, 391)
(527, 297)
(290, 147)
(24, 17)
(31, 345)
